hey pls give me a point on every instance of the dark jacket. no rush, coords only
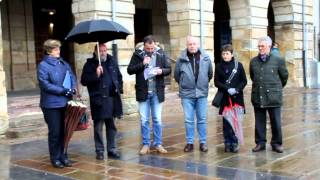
(51, 73)
(136, 67)
(268, 79)
(184, 76)
(104, 91)
(239, 81)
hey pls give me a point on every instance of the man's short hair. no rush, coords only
(227, 47)
(148, 40)
(266, 39)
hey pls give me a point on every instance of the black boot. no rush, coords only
(234, 147)
(227, 147)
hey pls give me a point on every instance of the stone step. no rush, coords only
(30, 119)
(27, 131)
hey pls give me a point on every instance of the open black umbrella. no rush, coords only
(97, 30)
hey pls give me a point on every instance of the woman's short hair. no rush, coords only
(50, 44)
(227, 47)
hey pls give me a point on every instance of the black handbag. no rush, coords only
(217, 99)
(219, 95)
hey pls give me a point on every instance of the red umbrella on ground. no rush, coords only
(234, 115)
(75, 110)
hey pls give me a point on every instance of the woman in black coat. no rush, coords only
(234, 90)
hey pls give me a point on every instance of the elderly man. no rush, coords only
(104, 83)
(269, 75)
(193, 72)
(150, 65)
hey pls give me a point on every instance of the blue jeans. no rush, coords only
(198, 107)
(152, 103)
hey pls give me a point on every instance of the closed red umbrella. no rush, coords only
(234, 115)
(74, 112)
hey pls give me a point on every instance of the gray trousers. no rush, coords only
(111, 132)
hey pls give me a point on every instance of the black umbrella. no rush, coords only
(97, 30)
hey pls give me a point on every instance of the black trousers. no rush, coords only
(55, 121)
(111, 132)
(260, 125)
(228, 133)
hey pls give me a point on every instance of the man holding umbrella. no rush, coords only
(104, 83)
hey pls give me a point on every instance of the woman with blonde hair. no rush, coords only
(52, 75)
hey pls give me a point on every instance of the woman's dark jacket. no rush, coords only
(239, 81)
(136, 67)
(268, 79)
(51, 73)
(104, 91)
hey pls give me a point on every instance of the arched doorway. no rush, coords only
(222, 29)
(151, 18)
(271, 21)
(53, 19)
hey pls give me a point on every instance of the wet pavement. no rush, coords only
(300, 160)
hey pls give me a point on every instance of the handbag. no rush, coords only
(83, 122)
(219, 94)
(217, 99)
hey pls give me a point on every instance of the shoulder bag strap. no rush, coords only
(234, 71)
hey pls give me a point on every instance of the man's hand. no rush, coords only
(99, 70)
(146, 60)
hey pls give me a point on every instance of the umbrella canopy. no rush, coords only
(234, 115)
(98, 30)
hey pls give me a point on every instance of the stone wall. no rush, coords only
(19, 48)
(4, 123)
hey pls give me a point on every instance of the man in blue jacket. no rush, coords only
(193, 72)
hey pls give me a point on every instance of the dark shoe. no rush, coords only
(66, 163)
(113, 155)
(234, 148)
(203, 147)
(227, 148)
(57, 164)
(259, 147)
(188, 148)
(277, 148)
(100, 156)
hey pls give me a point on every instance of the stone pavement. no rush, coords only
(301, 159)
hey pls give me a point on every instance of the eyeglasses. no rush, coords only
(261, 46)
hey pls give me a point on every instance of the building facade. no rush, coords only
(25, 24)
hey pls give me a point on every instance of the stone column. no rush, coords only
(102, 9)
(184, 19)
(247, 26)
(4, 122)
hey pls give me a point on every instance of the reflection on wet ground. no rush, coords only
(301, 159)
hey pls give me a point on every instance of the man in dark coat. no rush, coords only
(269, 75)
(150, 90)
(104, 83)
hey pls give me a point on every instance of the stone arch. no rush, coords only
(152, 12)
(222, 29)
(288, 33)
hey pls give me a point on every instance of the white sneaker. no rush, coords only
(161, 149)
(144, 150)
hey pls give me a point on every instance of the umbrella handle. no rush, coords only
(98, 52)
